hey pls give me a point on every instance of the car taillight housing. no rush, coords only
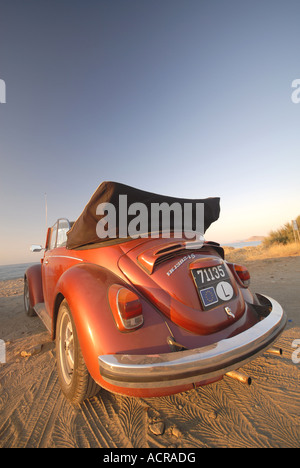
(243, 274)
(126, 308)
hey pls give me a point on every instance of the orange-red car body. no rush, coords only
(179, 342)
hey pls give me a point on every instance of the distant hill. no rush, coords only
(254, 239)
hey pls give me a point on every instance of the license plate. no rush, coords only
(213, 285)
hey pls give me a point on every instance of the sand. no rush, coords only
(34, 413)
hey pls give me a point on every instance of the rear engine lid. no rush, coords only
(192, 288)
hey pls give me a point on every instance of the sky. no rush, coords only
(187, 98)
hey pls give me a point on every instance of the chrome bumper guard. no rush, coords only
(196, 365)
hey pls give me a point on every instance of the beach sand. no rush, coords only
(34, 413)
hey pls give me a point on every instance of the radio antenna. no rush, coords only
(46, 209)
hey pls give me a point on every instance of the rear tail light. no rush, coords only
(243, 274)
(126, 308)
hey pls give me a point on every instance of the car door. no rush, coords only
(55, 262)
(48, 273)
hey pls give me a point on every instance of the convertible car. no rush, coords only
(146, 314)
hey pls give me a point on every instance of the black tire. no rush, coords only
(75, 381)
(27, 306)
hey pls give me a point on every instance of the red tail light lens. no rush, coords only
(243, 274)
(126, 308)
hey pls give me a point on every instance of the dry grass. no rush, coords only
(248, 254)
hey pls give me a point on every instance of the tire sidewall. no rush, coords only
(69, 389)
(26, 299)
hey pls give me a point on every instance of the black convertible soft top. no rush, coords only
(84, 230)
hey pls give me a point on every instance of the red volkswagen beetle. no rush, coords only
(145, 314)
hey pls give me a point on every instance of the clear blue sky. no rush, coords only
(190, 98)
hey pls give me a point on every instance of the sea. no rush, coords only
(8, 272)
(240, 245)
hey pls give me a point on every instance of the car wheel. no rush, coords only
(75, 380)
(28, 309)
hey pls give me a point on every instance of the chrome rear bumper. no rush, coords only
(196, 365)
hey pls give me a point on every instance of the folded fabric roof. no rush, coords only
(84, 230)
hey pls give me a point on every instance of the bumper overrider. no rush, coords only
(196, 365)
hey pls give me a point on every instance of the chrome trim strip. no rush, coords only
(196, 365)
(66, 256)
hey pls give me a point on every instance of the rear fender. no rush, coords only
(34, 280)
(85, 287)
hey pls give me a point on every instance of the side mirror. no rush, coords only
(36, 248)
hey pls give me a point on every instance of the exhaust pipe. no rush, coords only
(240, 376)
(244, 378)
(275, 350)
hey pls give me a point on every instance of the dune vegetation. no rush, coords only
(283, 242)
